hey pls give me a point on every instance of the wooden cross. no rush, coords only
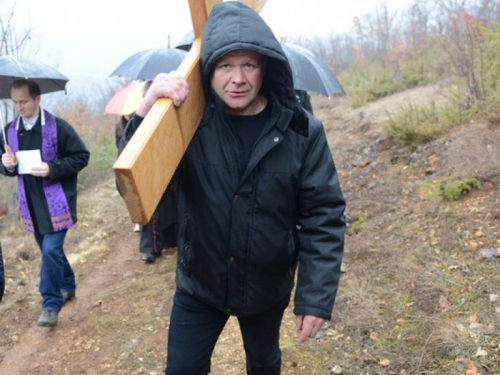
(148, 162)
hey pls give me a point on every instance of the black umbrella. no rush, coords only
(185, 43)
(309, 73)
(13, 68)
(145, 65)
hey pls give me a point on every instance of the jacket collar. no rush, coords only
(40, 118)
(285, 117)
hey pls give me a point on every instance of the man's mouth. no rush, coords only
(237, 93)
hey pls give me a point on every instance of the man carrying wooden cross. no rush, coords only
(258, 197)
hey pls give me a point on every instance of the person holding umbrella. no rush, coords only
(47, 192)
(259, 198)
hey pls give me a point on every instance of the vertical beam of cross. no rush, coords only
(146, 166)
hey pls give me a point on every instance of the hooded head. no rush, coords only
(233, 26)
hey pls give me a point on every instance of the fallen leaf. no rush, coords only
(474, 245)
(385, 362)
(364, 163)
(472, 370)
(374, 336)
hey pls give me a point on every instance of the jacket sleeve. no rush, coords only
(128, 131)
(2, 275)
(73, 155)
(322, 226)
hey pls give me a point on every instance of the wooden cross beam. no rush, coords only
(148, 162)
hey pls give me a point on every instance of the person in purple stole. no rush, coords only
(47, 194)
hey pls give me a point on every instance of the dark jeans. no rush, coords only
(195, 328)
(56, 274)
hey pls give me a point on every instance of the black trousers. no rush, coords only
(195, 328)
(154, 240)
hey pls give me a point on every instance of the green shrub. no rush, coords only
(490, 107)
(416, 123)
(359, 218)
(413, 122)
(453, 189)
(422, 66)
(367, 84)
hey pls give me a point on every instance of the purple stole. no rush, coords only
(57, 202)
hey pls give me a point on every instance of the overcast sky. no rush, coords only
(92, 37)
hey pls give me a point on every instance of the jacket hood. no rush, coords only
(234, 26)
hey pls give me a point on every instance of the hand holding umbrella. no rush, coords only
(9, 160)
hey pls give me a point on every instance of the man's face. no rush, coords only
(27, 107)
(237, 78)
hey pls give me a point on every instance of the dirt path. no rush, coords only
(119, 321)
(414, 299)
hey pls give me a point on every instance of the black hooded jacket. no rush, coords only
(2, 275)
(239, 242)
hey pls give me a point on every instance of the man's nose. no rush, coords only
(238, 76)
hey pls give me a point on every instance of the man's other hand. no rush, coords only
(170, 85)
(42, 171)
(308, 325)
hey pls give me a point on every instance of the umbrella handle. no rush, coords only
(8, 150)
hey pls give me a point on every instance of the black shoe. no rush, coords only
(149, 257)
(68, 295)
(48, 318)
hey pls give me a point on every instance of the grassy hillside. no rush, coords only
(418, 294)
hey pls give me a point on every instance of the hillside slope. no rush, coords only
(415, 297)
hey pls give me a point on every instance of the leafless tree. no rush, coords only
(416, 25)
(488, 11)
(461, 38)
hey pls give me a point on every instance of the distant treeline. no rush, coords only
(388, 51)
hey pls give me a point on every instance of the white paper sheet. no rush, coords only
(27, 160)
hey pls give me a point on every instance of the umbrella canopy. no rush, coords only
(185, 43)
(309, 73)
(126, 100)
(146, 65)
(12, 68)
